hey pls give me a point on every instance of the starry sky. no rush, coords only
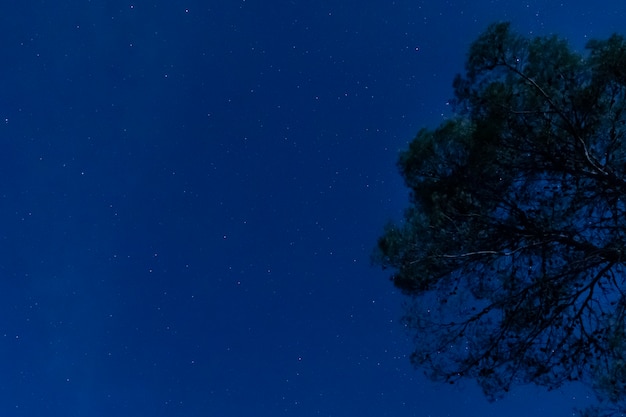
(191, 191)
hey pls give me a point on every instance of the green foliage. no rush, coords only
(512, 248)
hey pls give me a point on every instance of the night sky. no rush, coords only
(191, 190)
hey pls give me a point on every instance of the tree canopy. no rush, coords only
(513, 248)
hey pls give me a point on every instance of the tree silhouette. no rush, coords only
(513, 245)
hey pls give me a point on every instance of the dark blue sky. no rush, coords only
(191, 191)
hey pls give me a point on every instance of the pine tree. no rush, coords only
(512, 249)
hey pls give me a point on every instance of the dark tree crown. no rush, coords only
(513, 246)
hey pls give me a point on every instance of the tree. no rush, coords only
(513, 247)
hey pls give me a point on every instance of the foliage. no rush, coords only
(513, 247)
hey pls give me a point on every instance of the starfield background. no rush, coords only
(190, 193)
